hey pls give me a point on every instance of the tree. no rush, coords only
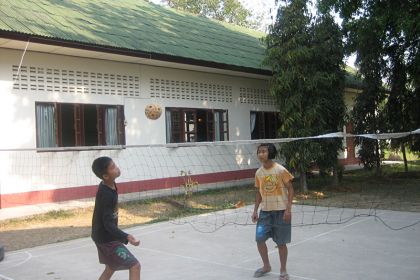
(397, 106)
(230, 11)
(192, 6)
(413, 70)
(385, 36)
(329, 71)
(306, 82)
(401, 47)
(288, 54)
(368, 111)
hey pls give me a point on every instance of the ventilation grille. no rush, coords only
(38, 79)
(184, 90)
(255, 96)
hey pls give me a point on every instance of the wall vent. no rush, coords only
(39, 79)
(188, 90)
(257, 96)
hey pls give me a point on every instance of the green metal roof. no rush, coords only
(351, 79)
(134, 25)
(139, 28)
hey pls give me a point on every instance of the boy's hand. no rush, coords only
(287, 216)
(132, 240)
(254, 217)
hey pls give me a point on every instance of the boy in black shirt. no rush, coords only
(108, 237)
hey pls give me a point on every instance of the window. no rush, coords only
(70, 125)
(196, 125)
(264, 125)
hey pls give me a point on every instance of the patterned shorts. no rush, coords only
(115, 255)
(271, 225)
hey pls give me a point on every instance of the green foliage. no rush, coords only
(413, 107)
(289, 55)
(368, 117)
(330, 78)
(230, 11)
(307, 83)
(192, 6)
(385, 37)
(368, 153)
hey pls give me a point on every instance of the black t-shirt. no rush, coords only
(105, 216)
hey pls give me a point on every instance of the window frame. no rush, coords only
(184, 135)
(78, 110)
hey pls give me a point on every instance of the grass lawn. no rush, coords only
(397, 155)
(394, 190)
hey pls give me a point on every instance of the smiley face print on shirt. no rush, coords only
(269, 184)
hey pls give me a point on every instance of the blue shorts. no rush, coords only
(271, 225)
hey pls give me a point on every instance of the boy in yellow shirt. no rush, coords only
(274, 195)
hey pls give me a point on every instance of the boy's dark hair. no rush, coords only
(100, 166)
(272, 151)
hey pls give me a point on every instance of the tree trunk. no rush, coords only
(378, 159)
(404, 157)
(335, 175)
(303, 183)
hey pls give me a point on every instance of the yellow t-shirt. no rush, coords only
(271, 184)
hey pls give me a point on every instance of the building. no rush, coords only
(77, 76)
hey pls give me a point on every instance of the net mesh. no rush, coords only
(215, 180)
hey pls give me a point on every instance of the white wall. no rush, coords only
(23, 171)
(18, 108)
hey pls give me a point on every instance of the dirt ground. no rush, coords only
(58, 226)
(401, 194)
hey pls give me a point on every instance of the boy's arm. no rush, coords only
(290, 194)
(258, 200)
(133, 240)
(109, 220)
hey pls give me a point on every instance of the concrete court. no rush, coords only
(192, 248)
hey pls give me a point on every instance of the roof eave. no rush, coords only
(129, 52)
